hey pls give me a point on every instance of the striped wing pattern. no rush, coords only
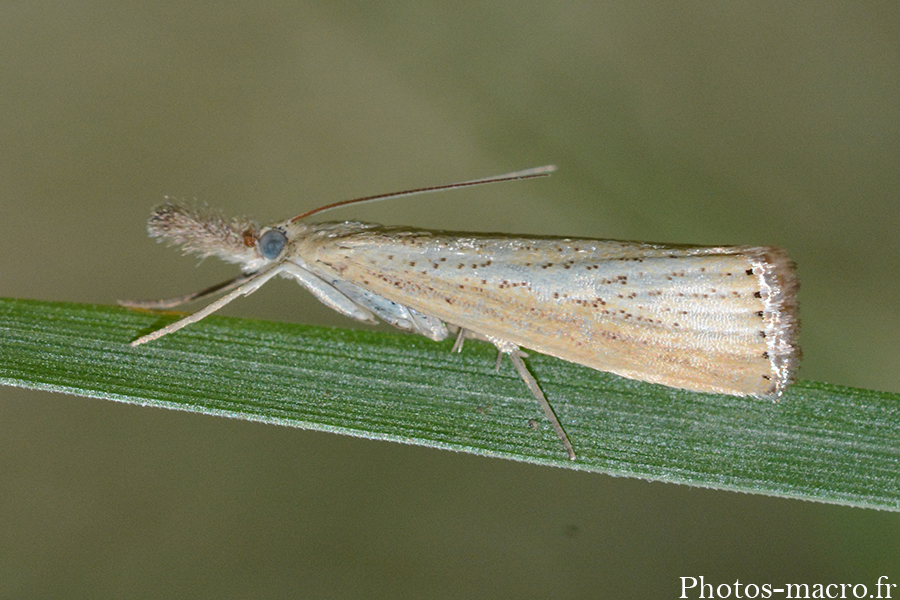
(712, 319)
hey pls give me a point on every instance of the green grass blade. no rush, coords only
(820, 442)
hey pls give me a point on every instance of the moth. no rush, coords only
(719, 319)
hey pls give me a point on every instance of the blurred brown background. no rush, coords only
(709, 123)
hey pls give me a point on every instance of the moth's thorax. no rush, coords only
(305, 239)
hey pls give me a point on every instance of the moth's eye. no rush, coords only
(271, 243)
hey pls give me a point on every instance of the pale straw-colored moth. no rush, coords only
(720, 319)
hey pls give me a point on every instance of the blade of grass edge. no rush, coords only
(820, 442)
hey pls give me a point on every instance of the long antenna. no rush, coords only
(526, 174)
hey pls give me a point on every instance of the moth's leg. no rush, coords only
(460, 338)
(431, 327)
(515, 355)
(463, 334)
(501, 354)
(179, 300)
(394, 313)
(468, 333)
(248, 287)
(327, 293)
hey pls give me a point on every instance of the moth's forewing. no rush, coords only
(711, 319)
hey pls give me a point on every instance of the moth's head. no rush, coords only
(201, 231)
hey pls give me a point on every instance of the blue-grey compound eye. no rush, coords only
(271, 243)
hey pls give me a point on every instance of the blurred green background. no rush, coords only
(692, 122)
